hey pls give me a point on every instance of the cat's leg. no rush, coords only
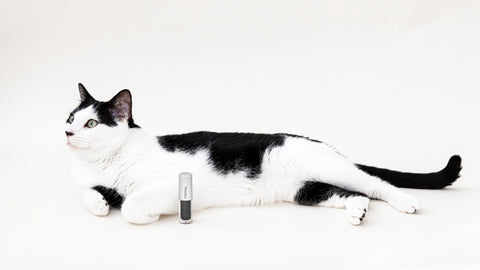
(352, 178)
(317, 193)
(148, 203)
(313, 160)
(95, 202)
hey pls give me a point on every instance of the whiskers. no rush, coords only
(78, 142)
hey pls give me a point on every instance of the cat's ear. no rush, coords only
(121, 106)
(84, 95)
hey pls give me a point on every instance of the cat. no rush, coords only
(120, 166)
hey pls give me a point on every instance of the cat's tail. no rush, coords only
(435, 180)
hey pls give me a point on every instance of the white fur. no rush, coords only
(135, 165)
(95, 202)
(356, 207)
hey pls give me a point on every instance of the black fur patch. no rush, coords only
(103, 112)
(228, 152)
(313, 193)
(132, 124)
(113, 198)
(83, 105)
(189, 142)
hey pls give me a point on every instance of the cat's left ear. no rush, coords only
(84, 95)
(121, 106)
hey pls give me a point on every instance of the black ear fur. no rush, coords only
(84, 95)
(121, 106)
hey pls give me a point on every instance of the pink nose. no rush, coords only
(68, 133)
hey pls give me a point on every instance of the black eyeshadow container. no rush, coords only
(185, 197)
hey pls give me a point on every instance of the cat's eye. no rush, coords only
(91, 123)
(70, 119)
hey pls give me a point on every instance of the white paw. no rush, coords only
(95, 203)
(356, 209)
(136, 214)
(404, 202)
(143, 219)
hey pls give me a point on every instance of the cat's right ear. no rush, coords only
(84, 95)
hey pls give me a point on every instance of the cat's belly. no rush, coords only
(212, 188)
(238, 190)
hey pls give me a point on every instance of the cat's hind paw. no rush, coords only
(404, 202)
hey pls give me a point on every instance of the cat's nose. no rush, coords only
(68, 133)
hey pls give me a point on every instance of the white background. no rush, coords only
(389, 83)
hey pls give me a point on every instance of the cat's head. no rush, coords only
(96, 125)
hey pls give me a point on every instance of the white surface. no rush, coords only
(389, 83)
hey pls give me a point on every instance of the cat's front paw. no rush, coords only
(95, 203)
(135, 213)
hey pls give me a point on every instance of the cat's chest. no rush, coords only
(121, 174)
(126, 174)
(132, 172)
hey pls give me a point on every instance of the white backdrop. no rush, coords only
(389, 83)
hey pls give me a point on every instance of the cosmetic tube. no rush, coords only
(185, 197)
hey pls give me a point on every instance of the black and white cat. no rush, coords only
(121, 166)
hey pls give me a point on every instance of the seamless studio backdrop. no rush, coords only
(389, 83)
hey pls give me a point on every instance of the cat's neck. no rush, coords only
(135, 141)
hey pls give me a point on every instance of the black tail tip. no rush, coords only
(453, 168)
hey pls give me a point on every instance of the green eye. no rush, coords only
(70, 119)
(91, 123)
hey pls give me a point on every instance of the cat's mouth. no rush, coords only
(75, 144)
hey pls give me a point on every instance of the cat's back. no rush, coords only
(228, 152)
